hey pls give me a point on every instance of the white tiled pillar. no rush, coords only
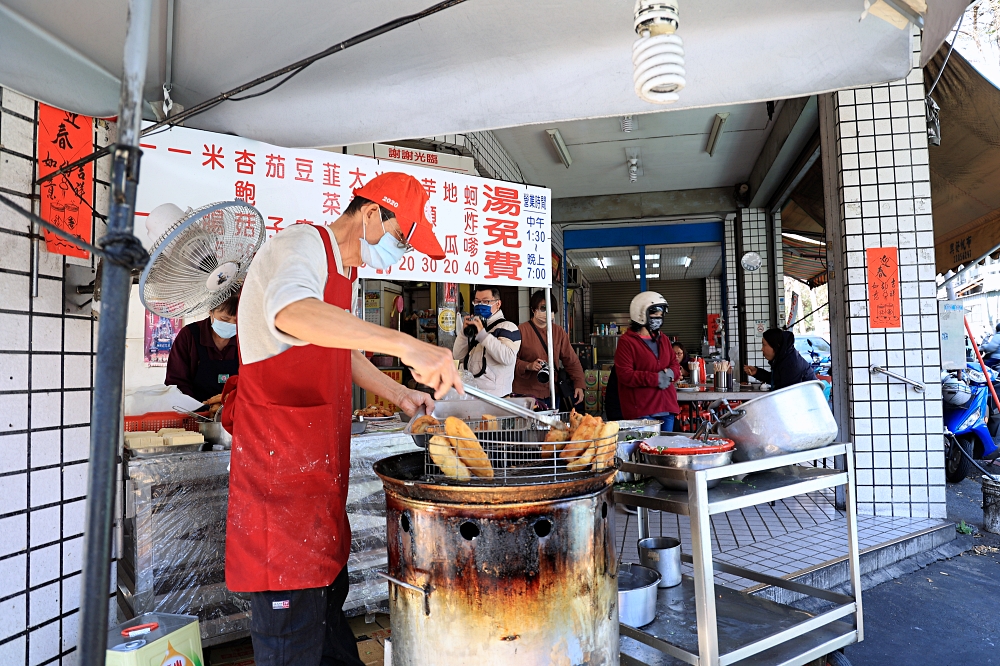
(757, 286)
(46, 370)
(884, 197)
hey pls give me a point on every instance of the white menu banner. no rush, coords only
(491, 231)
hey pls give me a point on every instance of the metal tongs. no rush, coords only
(547, 419)
(729, 418)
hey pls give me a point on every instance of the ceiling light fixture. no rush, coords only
(557, 142)
(687, 262)
(635, 266)
(652, 275)
(628, 123)
(658, 54)
(632, 157)
(635, 257)
(601, 263)
(713, 137)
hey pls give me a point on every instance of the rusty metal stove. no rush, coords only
(500, 574)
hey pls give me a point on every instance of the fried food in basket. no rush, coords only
(579, 439)
(441, 452)
(491, 422)
(374, 411)
(467, 447)
(575, 419)
(422, 423)
(554, 441)
(606, 446)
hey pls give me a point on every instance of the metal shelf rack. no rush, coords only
(704, 624)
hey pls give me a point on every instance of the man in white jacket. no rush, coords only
(491, 354)
(991, 348)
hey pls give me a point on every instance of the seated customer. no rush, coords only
(787, 365)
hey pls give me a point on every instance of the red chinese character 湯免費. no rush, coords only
(502, 231)
(503, 200)
(502, 264)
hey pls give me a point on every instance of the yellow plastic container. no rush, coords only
(156, 639)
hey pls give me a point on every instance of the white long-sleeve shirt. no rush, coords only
(497, 349)
(992, 346)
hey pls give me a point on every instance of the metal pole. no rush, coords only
(643, 285)
(116, 285)
(553, 361)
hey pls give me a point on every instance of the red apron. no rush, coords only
(287, 527)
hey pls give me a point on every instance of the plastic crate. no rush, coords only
(156, 420)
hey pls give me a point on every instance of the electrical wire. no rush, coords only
(951, 48)
(289, 72)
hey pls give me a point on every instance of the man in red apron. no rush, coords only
(288, 537)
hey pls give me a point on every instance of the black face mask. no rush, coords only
(654, 323)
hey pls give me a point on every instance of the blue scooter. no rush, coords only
(973, 426)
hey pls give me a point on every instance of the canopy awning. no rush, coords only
(965, 168)
(483, 64)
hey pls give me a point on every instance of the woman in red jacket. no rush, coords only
(645, 364)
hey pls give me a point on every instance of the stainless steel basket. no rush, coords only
(518, 454)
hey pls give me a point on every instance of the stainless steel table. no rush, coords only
(707, 625)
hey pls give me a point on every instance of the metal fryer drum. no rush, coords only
(499, 575)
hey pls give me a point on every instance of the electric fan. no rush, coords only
(201, 259)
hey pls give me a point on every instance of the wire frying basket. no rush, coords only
(505, 451)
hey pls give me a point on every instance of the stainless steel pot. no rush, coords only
(795, 418)
(637, 587)
(693, 461)
(215, 434)
(664, 555)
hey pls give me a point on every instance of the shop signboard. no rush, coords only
(491, 231)
(951, 317)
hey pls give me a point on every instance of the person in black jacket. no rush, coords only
(787, 365)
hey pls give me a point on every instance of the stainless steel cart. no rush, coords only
(705, 624)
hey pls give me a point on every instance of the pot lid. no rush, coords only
(683, 445)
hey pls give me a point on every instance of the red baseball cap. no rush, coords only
(405, 196)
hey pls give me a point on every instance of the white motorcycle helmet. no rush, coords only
(643, 304)
(954, 391)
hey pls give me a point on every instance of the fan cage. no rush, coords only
(174, 283)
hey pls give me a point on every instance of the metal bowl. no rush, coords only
(795, 418)
(694, 461)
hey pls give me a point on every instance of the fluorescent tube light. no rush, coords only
(802, 239)
(557, 142)
(687, 262)
(713, 137)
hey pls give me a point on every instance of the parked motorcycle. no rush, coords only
(971, 419)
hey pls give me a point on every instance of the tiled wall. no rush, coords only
(885, 200)
(713, 296)
(757, 284)
(46, 370)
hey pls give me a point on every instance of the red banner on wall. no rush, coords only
(884, 310)
(67, 199)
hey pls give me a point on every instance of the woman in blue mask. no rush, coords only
(204, 354)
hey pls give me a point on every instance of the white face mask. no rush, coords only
(384, 254)
(223, 328)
